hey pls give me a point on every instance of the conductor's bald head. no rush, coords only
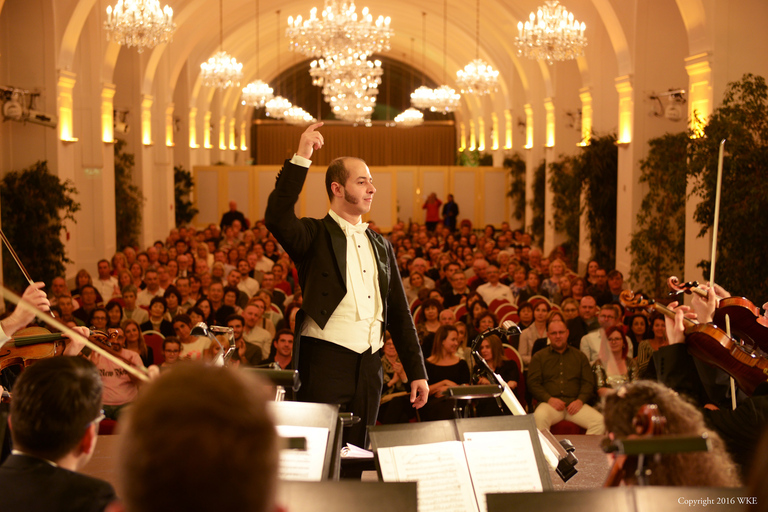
(199, 438)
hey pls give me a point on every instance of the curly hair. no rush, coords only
(705, 469)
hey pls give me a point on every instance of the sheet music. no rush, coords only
(440, 470)
(306, 465)
(501, 462)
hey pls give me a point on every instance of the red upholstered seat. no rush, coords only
(565, 427)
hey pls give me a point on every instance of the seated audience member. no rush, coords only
(445, 369)
(247, 284)
(192, 347)
(561, 380)
(67, 307)
(114, 313)
(713, 468)
(614, 365)
(246, 354)
(88, 302)
(493, 289)
(219, 311)
(255, 330)
(458, 291)
(584, 323)
(82, 279)
(492, 352)
(525, 314)
(532, 287)
(55, 413)
(120, 387)
(537, 330)
(194, 425)
(98, 319)
(485, 321)
(592, 341)
(638, 331)
(134, 341)
(157, 321)
(131, 311)
(395, 396)
(172, 302)
(106, 284)
(282, 350)
(412, 285)
(232, 298)
(599, 289)
(570, 308)
(152, 290)
(171, 350)
(649, 346)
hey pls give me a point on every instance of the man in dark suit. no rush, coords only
(55, 415)
(351, 286)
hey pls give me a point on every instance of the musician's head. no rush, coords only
(56, 408)
(712, 468)
(349, 185)
(192, 427)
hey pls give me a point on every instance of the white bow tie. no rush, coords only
(349, 229)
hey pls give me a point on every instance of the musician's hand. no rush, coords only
(21, 317)
(575, 406)
(311, 140)
(705, 308)
(419, 393)
(556, 404)
(721, 292)
(76, 344)
(676, 328)
(153, 372)
(711, 407)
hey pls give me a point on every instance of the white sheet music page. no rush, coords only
(304, 465)
(440, 470)
(501, 462)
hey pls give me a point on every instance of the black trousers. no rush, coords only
(332, 374)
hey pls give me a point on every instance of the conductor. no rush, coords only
(351, 286)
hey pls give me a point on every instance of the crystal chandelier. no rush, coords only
(348, 75)
(140, 23)
(257, 93)
(477, 77)
(277, 107)
(445, 100)
(339, 32)
(221, 70)
(551, 34)
(298, 116)
(355, 107)
(422, 97)
(409, 118)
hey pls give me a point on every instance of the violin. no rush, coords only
(747, 365)
(30, 344)
(747, 324)
(647, 422)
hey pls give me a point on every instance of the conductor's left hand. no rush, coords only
(419, 393)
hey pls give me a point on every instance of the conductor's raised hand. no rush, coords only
(311, 140)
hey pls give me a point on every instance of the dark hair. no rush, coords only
(281, 332)
(97, 310)
(172, 290)
(54, 401)
(174, 433)
(110, 306)
(185, 317)
(171, 339)
(712, 468)
(483, 315)
(440, 335)
(337, 172)
(235, 317)
(158, 300)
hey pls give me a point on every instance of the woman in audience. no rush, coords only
(119, 263)
(578, 287)
(230, 299)
(614, 366)
(173, 269)
(83, 278)
(195, 316)
(270, 250)
(464, 351)
(537, 330)
(570, 308)
(551, 285)
(591, 275)
(173, 302)
(430, 314)
(639, 330)
(204, 305)
(156, 321)
(525, 314)
(98, 319)
(124, 278)
(713, 468)
(134, 341)
(648, 346)
(413, 285)
(138, 275)
(114, 313)
(565, 288)
(445, 369)
(395, 396)
(492, 352)
(485, 321)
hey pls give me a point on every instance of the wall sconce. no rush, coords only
(674, 109)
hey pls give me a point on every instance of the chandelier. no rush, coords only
(339, 32)
(277, 107)
(477, 77)
(409, 118)
(140, 23)
(422, 97)
(444, 99)
(348, 75)
(257, 93)
(221, 70)
(551, 34)
(355, 106)
(298, 116)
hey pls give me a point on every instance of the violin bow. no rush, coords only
(12, 297)
(17, 259)
(715, 226)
